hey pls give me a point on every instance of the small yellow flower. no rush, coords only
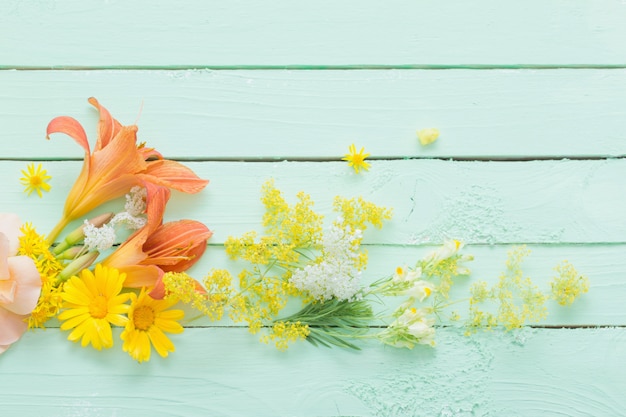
(428, 136)
(356, 160)
(148, 321)
(93, 302)
(34, 179)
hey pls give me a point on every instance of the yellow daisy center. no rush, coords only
(35, 180)
(357, 159)
(98, 307)
(143, 317)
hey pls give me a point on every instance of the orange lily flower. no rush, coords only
(115, 166)
(157, 248)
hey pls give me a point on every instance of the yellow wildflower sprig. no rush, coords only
(290, 260)
(35, 246)
(568, 285)
(517, 299)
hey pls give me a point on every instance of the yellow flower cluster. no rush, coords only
(37, 248)
(519, 299)
(298, 226)
(262, 298)
(357, 212)
(94, 301)
(568, 285)
(282, 333)
(293, 240)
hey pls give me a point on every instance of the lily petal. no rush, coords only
(173, 175)
(176, 246)
(71, 127)
(108, 127)
(131, 253)
(138, 276)
(111, 174)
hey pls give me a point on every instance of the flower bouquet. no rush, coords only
(300, 280)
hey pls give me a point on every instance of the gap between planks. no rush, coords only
(312, 67)
(388, 158)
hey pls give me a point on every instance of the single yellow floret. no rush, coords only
(356, 160)
(34, 179)
(428, 136)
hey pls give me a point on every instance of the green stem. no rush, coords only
(54, 234)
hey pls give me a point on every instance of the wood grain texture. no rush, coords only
(245, 91)
(311, 33)
(224, 372)
(604, 265)
(478, 202)
(317, 114)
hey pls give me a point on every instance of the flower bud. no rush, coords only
(77, 265)
(428, 136)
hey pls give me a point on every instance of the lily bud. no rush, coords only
(77, 265)
(71, 253)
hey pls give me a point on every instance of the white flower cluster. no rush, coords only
(102, 238)
(133, 217)
(336, 275)
(98, 238)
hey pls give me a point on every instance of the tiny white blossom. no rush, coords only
(414, 322)
(420, 290)
(449, 249)
(136, 201)
(100, 238)
(130, 221)
(403, 274)
(336, 275)
(133, 217)
(422, 331)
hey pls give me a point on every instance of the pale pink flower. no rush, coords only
(20, 283)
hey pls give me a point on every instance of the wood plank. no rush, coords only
(318, 114)
(312, 33)
(478, 202)
(225, 372)
(604, 265)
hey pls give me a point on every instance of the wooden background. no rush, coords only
(530, 97)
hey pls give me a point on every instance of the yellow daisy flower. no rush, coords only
(93, 302)
(148, 321)
(356, 160)
(34, 179)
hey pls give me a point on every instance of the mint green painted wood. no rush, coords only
(478, 202)
(605, 265)
(312, 33)
(318, 114)
(565, 209)
(223, 372)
